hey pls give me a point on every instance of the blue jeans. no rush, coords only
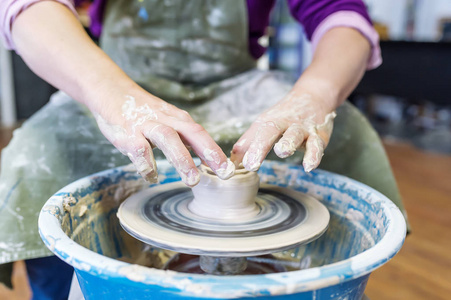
(50, 278)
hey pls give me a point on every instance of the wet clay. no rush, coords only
(232, 199)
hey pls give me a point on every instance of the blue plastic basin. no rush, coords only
(80, 226)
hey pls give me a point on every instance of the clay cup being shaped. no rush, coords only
(231, 200)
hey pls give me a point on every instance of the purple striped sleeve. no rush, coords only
(319, 16)
(354, 20)
(310, 13)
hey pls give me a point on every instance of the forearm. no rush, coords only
(338, 64)
(55, 46)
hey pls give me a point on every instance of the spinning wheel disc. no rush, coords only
(160, 216)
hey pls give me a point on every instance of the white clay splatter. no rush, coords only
(164, 107)
(226, 170)
(241, 143)
(211, 156)
(314, 152)
(149, 172)
(328, 122)
(68, 202)
(285, 148)
(190, 178)
(119, 137)
(137, 114)
(315, 145)
(251, 160)
(83, 210)
(114, 133)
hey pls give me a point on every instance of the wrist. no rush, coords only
(321, 87)
(107, 89)
(325, 97)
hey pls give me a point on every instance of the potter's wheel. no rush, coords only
(227, 220)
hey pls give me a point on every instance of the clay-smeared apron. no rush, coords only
(190, 53)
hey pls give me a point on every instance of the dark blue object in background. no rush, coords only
(50, 278)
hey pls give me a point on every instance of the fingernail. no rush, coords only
(211, 156)
(151, 177)
(226, 170)
(251, 161)
(308, 167)
(191, 178)
(234, 159)
(284, 149)
(142, 166)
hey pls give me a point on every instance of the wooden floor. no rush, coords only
(422, 269)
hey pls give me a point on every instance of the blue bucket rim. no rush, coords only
(210, 286)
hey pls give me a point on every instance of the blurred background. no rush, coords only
(407, 99)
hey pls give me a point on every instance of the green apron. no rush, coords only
(178, 50)
(190, 53)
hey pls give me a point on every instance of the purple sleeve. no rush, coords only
(96, 12)
(258, 18)
(310, 13)
(354, 20)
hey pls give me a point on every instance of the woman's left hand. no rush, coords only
(304, 118)
(299, 120)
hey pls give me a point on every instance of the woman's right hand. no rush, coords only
(55, 46)
(134, 121)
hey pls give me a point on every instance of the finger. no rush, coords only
(325, 129)
(292, 139)
(265, 137)
(240, 147)
(171, 111)
(168, 141)
(184, 116)
(116, 134)
(314, 152)
(206, 148)
(19, 279)
(140, 153)
(5, 292)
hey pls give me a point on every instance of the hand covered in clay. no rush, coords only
(135, 124)
(298, 121)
